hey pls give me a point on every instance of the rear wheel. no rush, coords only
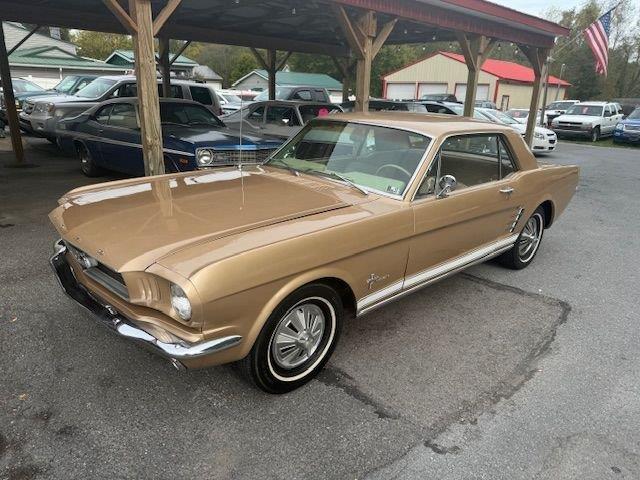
(595, 134)
(87, 165)
(297, 340)
(527, 244)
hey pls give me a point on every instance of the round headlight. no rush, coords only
(620, 126)
(180, 302)
(204, 157)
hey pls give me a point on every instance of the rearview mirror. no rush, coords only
(447, 184)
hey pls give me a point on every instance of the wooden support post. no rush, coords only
(368, 25)
(475, 49)
(346, 71)
(538, 59)
(165, 66)
(271, 63)
(10, 101)
(365, 42)
(148, 101)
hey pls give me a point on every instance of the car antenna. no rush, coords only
(240, 151)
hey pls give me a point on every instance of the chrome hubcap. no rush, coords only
(530, 238)
(298, 335)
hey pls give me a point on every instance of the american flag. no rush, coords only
(597, 35)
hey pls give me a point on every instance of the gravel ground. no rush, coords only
(489, 374)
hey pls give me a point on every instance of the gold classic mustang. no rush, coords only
(262, 264)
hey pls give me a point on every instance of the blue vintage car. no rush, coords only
(107, 137)
(628, 130)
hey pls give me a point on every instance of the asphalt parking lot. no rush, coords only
(490, 374)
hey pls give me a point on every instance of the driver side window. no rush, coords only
(471, 159)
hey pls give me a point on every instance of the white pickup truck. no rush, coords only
(588, 119)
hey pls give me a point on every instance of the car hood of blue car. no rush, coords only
(203, 136)
(630, 121)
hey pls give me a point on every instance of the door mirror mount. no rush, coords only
(447, 184)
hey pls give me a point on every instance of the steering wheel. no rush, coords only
(395, 167)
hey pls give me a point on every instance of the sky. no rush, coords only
(538, 7)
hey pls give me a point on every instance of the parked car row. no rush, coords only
(107, 137)
(589, 119)
(40, 115)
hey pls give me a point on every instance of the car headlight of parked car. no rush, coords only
(204, 157)
(44, 108)
(587, 126)
(180, 302)
(538, 135)
(620, 126)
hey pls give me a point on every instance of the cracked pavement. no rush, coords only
(489, 374)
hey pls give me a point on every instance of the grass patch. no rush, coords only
(606, 142)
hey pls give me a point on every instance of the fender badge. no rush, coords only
(373, 279)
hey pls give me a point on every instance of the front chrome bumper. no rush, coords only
(124, 327)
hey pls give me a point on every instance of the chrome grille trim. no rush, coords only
(105, 276)
(232, 157)
(108, 282)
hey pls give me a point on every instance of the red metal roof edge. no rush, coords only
(460, 58)
(507, 13)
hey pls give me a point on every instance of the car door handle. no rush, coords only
(507, 190)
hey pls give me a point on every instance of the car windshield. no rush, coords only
(518, 113)
(187, 114)
(22, 86)
(457, 108)
(502, 117)
(374, 158)
(591, 110)
(66, 84)
(560, 105)
(281, 92)
(231, 98)
(434, 96)
(96, 89)
(635, 115)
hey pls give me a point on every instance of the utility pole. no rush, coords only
(546, 90)
(561, 75)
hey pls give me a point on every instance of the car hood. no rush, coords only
(630, 121)
(522, 128)
(129, 225)
(25, 95)
(577, 118)
(57, 98)
(221, 137)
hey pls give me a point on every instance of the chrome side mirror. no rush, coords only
(447, 185)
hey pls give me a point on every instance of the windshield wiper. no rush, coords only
(342, 178)
(295, 171)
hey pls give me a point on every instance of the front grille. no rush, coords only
(570, 125)
(634, 128)
(233, 157)
(552, 141)
(100, 273)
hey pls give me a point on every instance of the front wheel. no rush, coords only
(297, 339)
(595, 134)
(87, 165)
(527, 244)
